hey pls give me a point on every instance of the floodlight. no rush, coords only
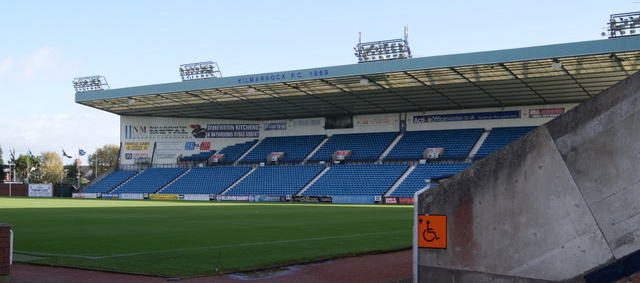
(556, 64)
(383, 50)
(624, 24)
(201, 70)
(91, 83)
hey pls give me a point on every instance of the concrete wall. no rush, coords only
(560, 202)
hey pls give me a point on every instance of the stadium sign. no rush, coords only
(515, 114)
(233, 130)
(278, 77)
(40, 190)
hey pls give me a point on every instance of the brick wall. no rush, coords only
(5, 254)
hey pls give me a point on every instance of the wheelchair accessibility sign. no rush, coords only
(432, 231)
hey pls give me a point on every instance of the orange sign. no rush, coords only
(432, 231)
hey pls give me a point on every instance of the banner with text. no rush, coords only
(461, 117)
(233, 130)
(41, 190)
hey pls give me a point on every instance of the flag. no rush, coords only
(81, 152)
(33, 158)
(13, 154)
(65, 154)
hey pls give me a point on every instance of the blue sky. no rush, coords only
(45, 44)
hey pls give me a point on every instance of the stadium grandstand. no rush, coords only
(366, 132)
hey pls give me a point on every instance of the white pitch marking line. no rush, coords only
(207, 247)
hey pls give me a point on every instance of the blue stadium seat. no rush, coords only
(415, 181)
(499, 137)
(206, 180)
(276, 180)
(295, 148)
(456, 143)
(201, 156)
(233, 152)
(363, 147)
(356, 180)
(110, 182)
(150, 180)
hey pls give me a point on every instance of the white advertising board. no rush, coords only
(41, 190)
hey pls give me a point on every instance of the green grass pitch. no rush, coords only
(190, 238)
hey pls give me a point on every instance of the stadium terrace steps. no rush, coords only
(415, 181)
(150, 180)
(295, 148)
(457, 144)
(498, 138)
(313, 152)
(390, 147)
(234, 152)
(111, 181)
(363, 147)
(205, 180)
(202, 156)
(309, 180)
(276, 180)
(313, 180)
(357, 179)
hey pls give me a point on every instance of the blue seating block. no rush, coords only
(415, 181)
(357, 180)
(456, 143)
(276, 180)
(206, 180)
(295, 148)
(150, 180)
(498, 138)
(109, 182)
(364, 147)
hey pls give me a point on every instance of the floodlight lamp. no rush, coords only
(201, 70)
(364, 81)
(91, 83)
(556, 64)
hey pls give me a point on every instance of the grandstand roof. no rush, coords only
(513, 77)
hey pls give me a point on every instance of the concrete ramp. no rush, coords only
(555, 205)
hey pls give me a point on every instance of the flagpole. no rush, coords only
(78, 168)
(12, 175)
(28, 168)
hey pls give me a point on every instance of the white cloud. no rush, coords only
(53, 131)
(46, 62)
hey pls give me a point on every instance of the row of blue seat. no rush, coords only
(499, 137)
(367, 147)
(150, 180)
(201, 156)
(364, 178)
(371, 179)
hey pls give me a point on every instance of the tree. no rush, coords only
(51, 169)
(104, 158)
(24, 165)
(1, 162)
